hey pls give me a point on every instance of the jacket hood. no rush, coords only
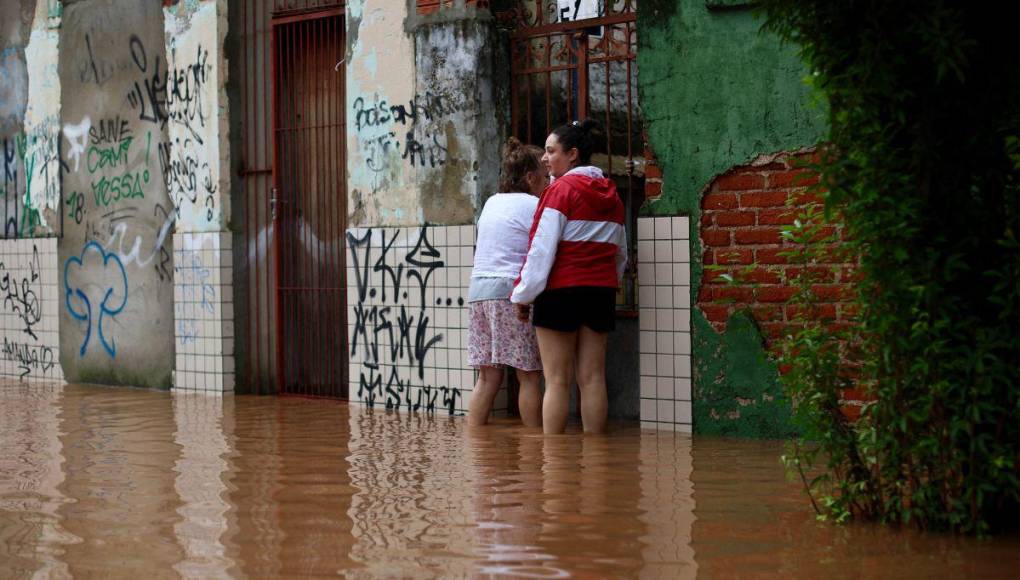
(599, 190)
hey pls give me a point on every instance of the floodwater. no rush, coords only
(126, 483)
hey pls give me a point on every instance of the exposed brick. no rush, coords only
(653, 171)
(764, 199)
(653, 188)
(719, 201)
(774, 330)
(813, 273)
(771, 255)
(772, 217)
(811, 312)
(713, 237)
(758, 236)
(771, 167)
(831, 292)
(737, 181)
(705, 293)
(775, 293)
(734, 256)
(834, 254)
(849, 311)
(825, 233)
(715, 276)
(741, 294)
(761, 276)
(708, 258)
(706, 218)
(767, 312)
(807, 197)
(734, 218)
(716, 312)
(795, 178)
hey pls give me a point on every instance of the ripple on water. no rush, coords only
(98, 481)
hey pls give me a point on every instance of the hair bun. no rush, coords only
(512, 144)
(591, 126)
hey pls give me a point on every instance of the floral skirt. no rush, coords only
(497, 337)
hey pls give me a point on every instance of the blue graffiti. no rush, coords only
(114, 291)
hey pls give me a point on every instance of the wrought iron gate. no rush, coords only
(572, 59)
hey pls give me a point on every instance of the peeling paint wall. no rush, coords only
(716, 93)
(30, 147)
(198, 141)
(423, 139)
(382, 110)
(114, 139)
(453, 65)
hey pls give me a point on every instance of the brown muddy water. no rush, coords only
(98, 482)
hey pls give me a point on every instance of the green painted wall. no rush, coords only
(715, 93)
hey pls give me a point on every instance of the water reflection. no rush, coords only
(409, 512)
(32, 538)
(289, 487)
(204, 425)
(667, 503)
(119, 473)
(100, 482)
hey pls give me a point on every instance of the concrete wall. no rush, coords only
(380, 98)
(423, 142)
(716, 93)
(114, 135)
(29, 119)
(115, 255)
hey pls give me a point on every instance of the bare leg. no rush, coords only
(529, 400)
(489, 381)
(591, 378)
(558, 364)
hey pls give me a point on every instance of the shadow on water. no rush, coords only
(101, 482)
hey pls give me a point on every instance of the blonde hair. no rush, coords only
(518, 161)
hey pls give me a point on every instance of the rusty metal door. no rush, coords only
(308, 202)
(574, 59)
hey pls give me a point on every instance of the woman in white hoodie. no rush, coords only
(496, 337)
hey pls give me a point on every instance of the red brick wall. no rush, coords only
(430, 6)
(743, 212)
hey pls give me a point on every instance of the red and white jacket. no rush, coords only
(577, 236)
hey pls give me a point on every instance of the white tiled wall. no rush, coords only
(664, 297)
(203, 312)
(30, 301)
(385, 371)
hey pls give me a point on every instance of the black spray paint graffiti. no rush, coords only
(186, 86)
(423, 144)
(21, 295)
(29, 357)
(177, 96)
(391, 335)
(150, 97)
(27, 159)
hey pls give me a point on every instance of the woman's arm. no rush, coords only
(541, 256)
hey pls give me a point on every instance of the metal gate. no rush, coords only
(572, 59)
(290, 274)
(309, 206)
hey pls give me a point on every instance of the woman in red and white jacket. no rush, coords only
(576, 257)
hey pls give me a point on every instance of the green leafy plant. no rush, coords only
(923, 167)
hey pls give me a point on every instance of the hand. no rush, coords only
(523, 312)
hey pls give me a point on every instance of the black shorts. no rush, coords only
(568, 309)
